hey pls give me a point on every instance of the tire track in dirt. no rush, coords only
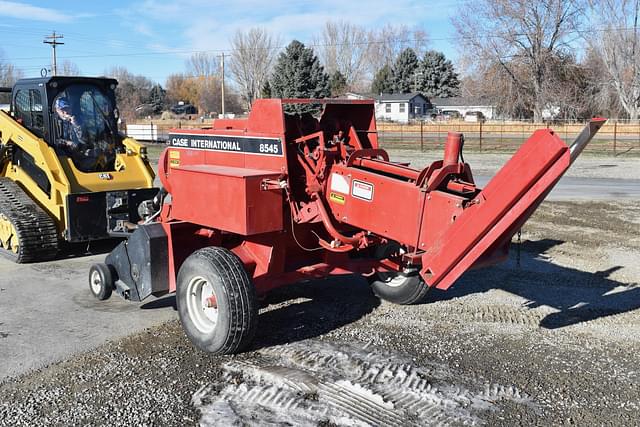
(313, 381)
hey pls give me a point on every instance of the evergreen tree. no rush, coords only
(438, 78)
(383, 81)
(157, 97)
(337, 83)
(298, 74)
(404, 71)
(266, 90)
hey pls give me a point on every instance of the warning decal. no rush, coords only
(362, 190)
(174, 158)
(337, 198)
(339, 183)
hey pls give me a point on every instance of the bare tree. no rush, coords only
(132, 92)
(343, 47)
(524, 37)
(253, 56)
(9, 74)
(202, 64)
(617, 43)
(386, 43)
(69, 68)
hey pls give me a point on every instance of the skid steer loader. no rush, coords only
(66, 173)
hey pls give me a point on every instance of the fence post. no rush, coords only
(401, 135)
(615, 136)
(421, 136)
(480, 135)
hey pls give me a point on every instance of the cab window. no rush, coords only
(29, 110)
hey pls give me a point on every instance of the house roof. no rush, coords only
(389, 97)
(398, 97)
(461, 101)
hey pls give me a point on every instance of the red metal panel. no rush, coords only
(393, 209)
(521, 183)
(226, 198)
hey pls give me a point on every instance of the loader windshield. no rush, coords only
(86, 128)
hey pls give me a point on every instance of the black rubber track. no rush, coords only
(37, 233)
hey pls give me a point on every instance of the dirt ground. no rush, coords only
(550, 337)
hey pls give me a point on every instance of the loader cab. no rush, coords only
(77, 116)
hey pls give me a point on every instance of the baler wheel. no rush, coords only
(399, 288)
(217, 301)
(101, 281)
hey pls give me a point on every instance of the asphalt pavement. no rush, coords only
(48, 314)
(582, 188)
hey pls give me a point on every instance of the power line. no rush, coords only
(53, 41)
(230, 51)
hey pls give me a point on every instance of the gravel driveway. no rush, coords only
(551, 337)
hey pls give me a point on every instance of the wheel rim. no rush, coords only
(202, 304)
(96, 282)
(393, 280)
(8, 235)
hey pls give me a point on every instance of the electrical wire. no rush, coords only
(293, 233)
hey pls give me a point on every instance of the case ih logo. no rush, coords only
(82, 199)
(106, 176)
(228, 144)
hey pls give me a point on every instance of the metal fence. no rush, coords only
(614, 137)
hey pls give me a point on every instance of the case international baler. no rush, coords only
(253, 204)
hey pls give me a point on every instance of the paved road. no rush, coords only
(47, 313)
(574, 188)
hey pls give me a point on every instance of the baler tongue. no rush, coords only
(501, 208)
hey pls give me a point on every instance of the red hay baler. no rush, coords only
(253, 204)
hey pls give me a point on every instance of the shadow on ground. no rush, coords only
(578, 295)
(310, 309)
(98, 247)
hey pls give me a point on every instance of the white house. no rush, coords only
(465, 105)
(397, 107)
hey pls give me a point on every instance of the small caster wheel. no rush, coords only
(101, 281)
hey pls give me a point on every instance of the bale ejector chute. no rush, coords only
(269, 200)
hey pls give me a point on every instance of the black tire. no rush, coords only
(399, 288)
(220, 271)
(101, 281)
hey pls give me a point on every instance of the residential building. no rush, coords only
(397, 107)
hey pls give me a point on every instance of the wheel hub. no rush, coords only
(393, 280)
(202, 304)
(96, 282)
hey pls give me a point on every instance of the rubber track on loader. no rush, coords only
(37, 233)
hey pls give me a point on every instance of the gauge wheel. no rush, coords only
(101, 281)
(217, 302)
(399, 288)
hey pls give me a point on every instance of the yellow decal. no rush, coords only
(174, 158)
(338, 198)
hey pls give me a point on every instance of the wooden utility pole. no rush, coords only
(53, 41)
(222, 69)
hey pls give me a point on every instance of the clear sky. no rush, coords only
(154, 37)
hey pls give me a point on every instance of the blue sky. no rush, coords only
(154, 37)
